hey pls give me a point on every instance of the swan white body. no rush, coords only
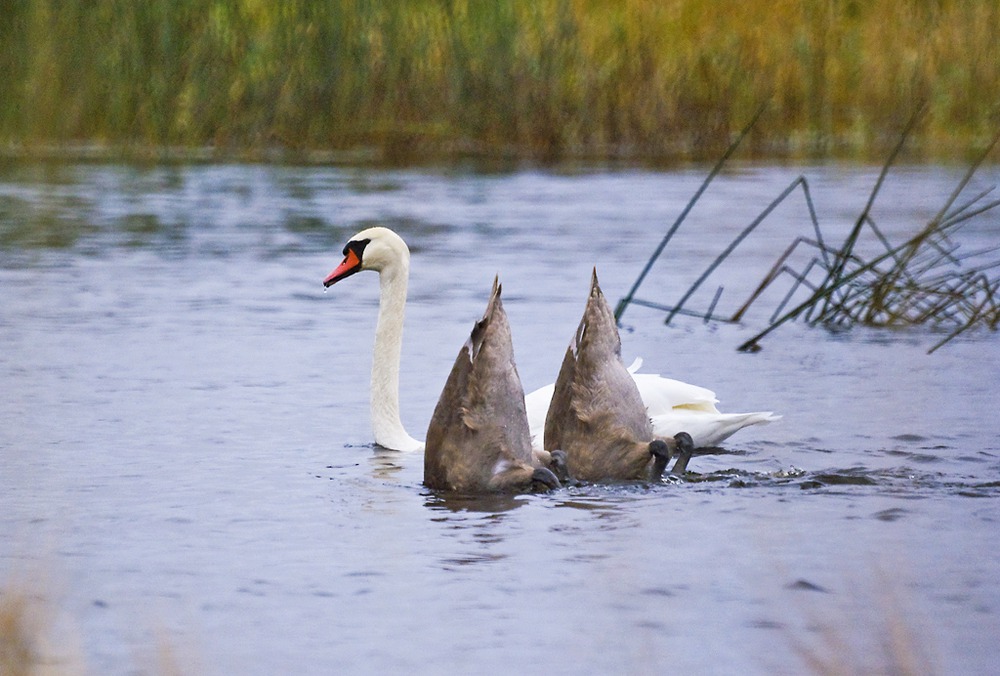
(673, 406)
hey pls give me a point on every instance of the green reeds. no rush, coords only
(548, 79)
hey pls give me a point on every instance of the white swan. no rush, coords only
(673, 406)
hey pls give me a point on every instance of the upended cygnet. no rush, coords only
(478, 439)
(597, 416)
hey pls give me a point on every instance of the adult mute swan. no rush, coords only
(672, 406)
(478, 439)
(597, 417)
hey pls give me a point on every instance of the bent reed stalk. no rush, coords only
(919, 282)
(549, 79)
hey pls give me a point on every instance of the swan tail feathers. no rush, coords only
(708, 429)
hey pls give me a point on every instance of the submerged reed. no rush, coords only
(922, 282)
(552, 78)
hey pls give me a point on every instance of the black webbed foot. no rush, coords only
(661, 456)
(542, 479)
(559, 465)
(685, 448)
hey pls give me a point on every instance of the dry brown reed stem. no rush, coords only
(36, 640)
(720, 162)
(923, 281)
(19, 653)
(875, 633)
(25, 619)
(913, 289)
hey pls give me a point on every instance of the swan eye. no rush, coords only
(357, 246)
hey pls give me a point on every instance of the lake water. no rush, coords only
(187, 460)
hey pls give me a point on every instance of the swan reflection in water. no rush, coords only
(486, 503)
(385, 462)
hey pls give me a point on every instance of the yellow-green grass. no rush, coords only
(547, 78)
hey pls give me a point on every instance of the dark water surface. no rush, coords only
(186, 451)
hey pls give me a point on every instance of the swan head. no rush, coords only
(376, 249)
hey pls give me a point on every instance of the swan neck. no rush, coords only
(388, 427)
(389, 330)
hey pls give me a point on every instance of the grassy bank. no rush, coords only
(548, 79)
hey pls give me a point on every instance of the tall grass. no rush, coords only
(548, 78)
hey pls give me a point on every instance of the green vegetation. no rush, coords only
(545, 79)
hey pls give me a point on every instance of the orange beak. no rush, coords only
(347, 267)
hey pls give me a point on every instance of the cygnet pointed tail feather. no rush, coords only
(478, 439)
(596, 415)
